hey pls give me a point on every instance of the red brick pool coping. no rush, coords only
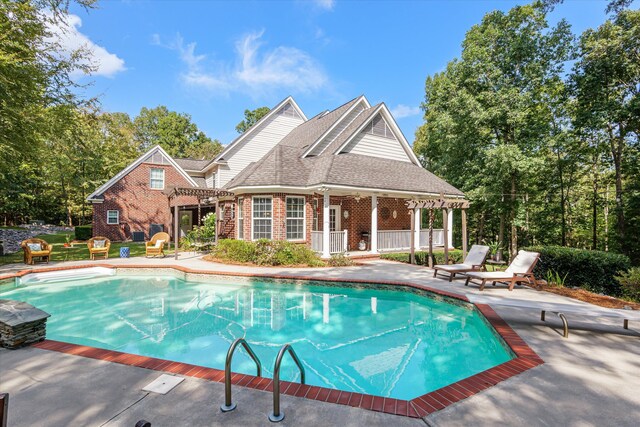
(418, 407)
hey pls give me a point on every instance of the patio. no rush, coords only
(587, 379)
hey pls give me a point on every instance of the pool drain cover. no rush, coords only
(163, 384)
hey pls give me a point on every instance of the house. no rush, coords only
(337, 181)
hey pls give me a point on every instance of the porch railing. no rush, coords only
(438, 238)
(337, 241)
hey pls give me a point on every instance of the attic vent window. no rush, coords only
(379, 127)
(289, 111)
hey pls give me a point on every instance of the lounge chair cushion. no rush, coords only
(454, 267)
(490, 275)
(34, 247)
(159, 243)
(98, 244)
(477, 255)
(523, 262)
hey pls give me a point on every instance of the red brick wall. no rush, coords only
(138, 204)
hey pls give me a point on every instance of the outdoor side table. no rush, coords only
(125, 252)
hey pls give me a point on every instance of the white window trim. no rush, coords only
(240, 232)
(150, 178)
(117, 217)
(253, 218)
(304, 218)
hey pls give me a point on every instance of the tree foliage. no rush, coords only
(251, 117)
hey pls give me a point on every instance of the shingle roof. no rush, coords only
(200, 181)
(192, 164)
(284, 165)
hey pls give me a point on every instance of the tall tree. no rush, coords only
(251, 117)
(607, 84)
(175, 132)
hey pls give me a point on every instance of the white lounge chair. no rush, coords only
(520, 270)
(473, 262)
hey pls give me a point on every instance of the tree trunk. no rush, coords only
(513, 247)
(480, 230)
(500, 235)
(617, 145)
(563, 213)
(594, 244)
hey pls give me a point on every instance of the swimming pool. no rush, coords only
(378, 340)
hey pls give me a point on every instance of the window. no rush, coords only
(113, 217)
(289, 111)
(232, 208)
(157, 179)
(240, 232)
(262, 219)
(295, 218)
(379, 127)
(315, 215)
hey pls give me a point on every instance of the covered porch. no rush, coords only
(373, 222)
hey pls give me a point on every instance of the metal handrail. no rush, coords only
(277, 415)
(228, 405)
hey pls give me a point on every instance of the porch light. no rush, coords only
(345, 214)
(323, 189)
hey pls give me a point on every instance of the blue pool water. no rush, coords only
(370, 340)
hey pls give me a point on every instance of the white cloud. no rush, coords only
(70, 38)
(325, 4)
(402, 110)
(255, 69)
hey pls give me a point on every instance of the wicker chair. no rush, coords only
(102, 251)
(30, 255)
(155, 246)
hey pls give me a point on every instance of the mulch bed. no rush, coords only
(590, 297)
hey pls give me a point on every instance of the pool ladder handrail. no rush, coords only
(277, 415)
(228, 405)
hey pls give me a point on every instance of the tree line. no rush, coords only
(539, 127)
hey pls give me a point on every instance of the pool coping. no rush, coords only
(525, 358)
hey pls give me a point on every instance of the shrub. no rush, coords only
(83, 232)
(422, 258)
(266, 252)
(340, 260)
(592, 270)
(630, 282)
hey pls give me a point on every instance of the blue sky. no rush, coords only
(213, 59)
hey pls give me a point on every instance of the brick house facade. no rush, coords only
(282, 177)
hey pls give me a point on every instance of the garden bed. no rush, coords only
(590, 297)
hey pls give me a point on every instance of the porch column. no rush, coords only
(176, 230)
(464, 233)
(450, 227)
(326, 253)
(417, 221)
(374, 224)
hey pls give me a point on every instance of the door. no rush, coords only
(334, 218)
(186, 222)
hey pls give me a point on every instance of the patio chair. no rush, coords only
(155, 246)
(474, 261)
(99, 246)
(520, 270)
(36, 248)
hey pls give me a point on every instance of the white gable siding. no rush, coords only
(156, 158)
(254, 147)
(210, 177)
(377, 146)
(331, 136)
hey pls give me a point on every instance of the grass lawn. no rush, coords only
(78, 252)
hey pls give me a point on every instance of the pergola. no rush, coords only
(444, 204)
(205, 196)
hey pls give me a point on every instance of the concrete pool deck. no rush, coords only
(591, 378)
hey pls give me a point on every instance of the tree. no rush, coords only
(606, 81)
(488, 115)
(251, 117)
(175, 132)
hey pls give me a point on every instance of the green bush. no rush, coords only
(266, 252)
(630, 282)
(83, 232)
(340, 260)
(592, 270)
(422, 258)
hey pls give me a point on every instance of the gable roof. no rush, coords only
(286, 166)
(256, 125)
(195, 165)
(157, 149)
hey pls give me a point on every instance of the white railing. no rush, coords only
(337, 241)
(389, 240)
(438, 238)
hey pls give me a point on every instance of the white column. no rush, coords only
(374, 224)
(416, 228)
(450, 227)
(325, 227)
